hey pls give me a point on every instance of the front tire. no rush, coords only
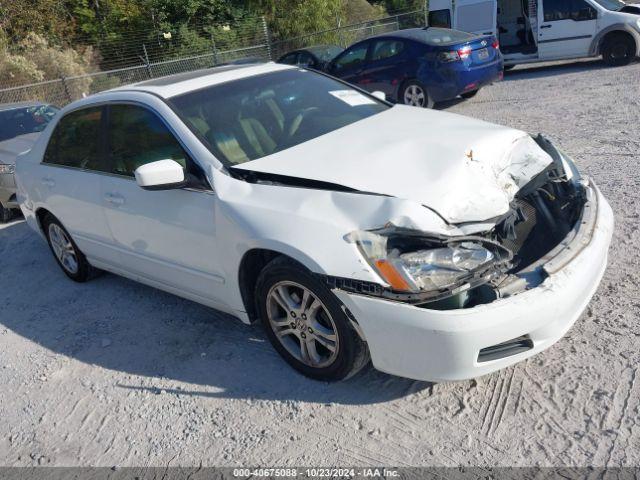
(618, 50)
(6, 214)
(415, 94)
(67, 254)
(305, 323)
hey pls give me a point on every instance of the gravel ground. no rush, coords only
(115, 373)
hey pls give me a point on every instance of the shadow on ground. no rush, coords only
(529, 71)
(123, 326)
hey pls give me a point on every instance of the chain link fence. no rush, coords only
(258, 46)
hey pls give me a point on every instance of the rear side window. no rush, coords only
(440, 18)
(135, 137)
(383, 49)
(76, 140)
(289, 59)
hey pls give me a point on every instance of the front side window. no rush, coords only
(577, 10)
(75, 141)
(260, 115)
(306, 60)
(383, 49)
(351, 58)
(289, 59)
(613, 5)
(135, 137)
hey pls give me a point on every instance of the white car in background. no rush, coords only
(439, 246)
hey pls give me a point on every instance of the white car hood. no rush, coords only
(464, 169)
(10, 149)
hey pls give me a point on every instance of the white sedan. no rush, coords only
(438, 246)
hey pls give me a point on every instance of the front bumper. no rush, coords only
(8, 191)
(444, 345)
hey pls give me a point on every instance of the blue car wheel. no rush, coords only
(416, 95)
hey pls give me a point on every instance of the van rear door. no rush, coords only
(476, 16)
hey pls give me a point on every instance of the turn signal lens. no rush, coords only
(392, 276)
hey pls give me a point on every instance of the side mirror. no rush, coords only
(161, 175)
(379, 95)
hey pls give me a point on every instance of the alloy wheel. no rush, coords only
(302, 324)
(415, 96)
(63, 248)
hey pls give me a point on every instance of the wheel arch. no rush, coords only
(619, 28)
(251, 264)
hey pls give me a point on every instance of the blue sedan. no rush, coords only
(421, 66)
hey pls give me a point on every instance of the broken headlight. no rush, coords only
(412, 261)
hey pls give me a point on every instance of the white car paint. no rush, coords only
(192, 243)
(555, 40)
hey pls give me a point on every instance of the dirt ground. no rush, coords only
(114, 373)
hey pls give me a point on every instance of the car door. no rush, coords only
(476, 16)
(349, 64)
(70, 182)
(386, 66)
(566, 28)
(165, 236)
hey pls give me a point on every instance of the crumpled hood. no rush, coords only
(10, 149)
(466, 170)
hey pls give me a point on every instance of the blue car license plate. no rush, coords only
(483, 54)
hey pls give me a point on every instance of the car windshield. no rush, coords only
(23, 120)
(613, 5)
(444, 36)
(247, 119)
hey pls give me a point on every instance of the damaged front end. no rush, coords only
(440, 272)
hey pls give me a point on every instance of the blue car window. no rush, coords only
(383, 49)
(351, 57)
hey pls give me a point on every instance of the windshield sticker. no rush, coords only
(353, 98)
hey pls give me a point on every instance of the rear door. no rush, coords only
(566, 28)
(440, 13)
(386, 67)
(70, 182)
(476, 16)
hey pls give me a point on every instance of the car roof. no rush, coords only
(14, 105)
(419, 34)
(180, 83)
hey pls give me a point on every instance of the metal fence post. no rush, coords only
(426, 13)
(66, 88)
(146, 61)
(215, 51)
(267, 37)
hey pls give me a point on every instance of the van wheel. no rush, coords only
(470, 94)
(416, 95)
(305, 323)
(618, 49)
(6, 214)
(72, 261)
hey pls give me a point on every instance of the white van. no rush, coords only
(543, 30)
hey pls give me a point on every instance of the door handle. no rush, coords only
(546, 26)
(114, 199)
(48, 182)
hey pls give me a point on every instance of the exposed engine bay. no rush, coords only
(465, 271)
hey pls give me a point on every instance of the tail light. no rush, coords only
(455, 55)
(464, 52)
(496, 44)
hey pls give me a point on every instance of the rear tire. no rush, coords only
(415, 94)
(67, 254)
(470, 94)
(313, 333)
(6, 214)
(618, 49)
